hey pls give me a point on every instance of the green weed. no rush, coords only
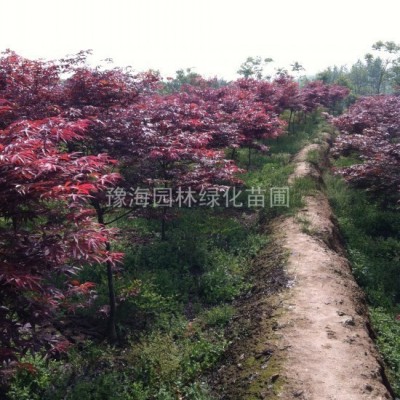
(217, 316)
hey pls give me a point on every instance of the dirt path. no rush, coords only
(325, 327)
(312, 337)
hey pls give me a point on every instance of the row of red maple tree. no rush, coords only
(70, 132)
(370, 131)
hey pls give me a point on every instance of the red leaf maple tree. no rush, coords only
(317, 94)
(47, 229)
(82, 100)
(249, 105)
(371, 130)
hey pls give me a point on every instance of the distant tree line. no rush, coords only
(377, 73)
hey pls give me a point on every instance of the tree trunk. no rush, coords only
(163, 224)
(111, 328)
(378, 87)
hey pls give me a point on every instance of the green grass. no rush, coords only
(301, 187)
(343, 162)
(388, 341)
(217, 316)
(158, 366)
(305, 225)
(314, 157)
(293, 143)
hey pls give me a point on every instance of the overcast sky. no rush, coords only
(212, 36)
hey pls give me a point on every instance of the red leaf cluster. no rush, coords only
(318, 94)
(46, 222)
(371, 130)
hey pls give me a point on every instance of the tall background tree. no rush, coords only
(254, 67)
(378, 73)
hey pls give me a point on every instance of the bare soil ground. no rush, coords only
(305, 328)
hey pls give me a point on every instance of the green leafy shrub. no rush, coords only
(32, 379)
(388, 329)
(223, 278)
(217, 316)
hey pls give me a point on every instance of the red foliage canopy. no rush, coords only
(371, 129)
(317, 94)
(249, 104)
(47, 227)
